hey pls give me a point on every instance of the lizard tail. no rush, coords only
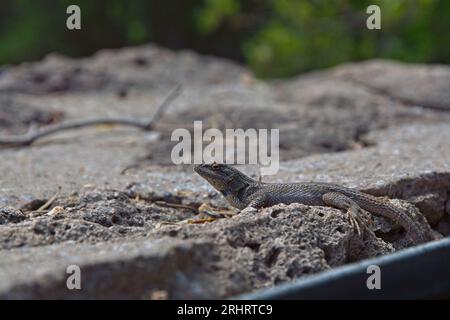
(418, 232)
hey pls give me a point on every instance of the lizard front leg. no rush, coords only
(256, 202)
(341, 201)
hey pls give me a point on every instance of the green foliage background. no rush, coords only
(276, 38)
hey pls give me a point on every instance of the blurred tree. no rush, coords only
(296, 36)
(276, 38)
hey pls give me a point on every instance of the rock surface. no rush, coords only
(130, 219)
(108, 270)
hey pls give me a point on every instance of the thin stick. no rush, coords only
(146, 125)
(49, 202)
(175, 205)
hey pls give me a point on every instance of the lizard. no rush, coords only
(247, 194)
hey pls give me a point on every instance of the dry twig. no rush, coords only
(50, 201)
(146, 125)
(176, 205)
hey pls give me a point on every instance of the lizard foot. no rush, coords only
(341, 201)
(354, 221)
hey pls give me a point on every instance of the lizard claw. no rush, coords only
(354, 221)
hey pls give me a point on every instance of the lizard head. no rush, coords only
(223, 177)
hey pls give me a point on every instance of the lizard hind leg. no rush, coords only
(341, 201)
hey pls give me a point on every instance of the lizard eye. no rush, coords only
(215, 166)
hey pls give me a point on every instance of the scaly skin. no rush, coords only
(243, 192)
